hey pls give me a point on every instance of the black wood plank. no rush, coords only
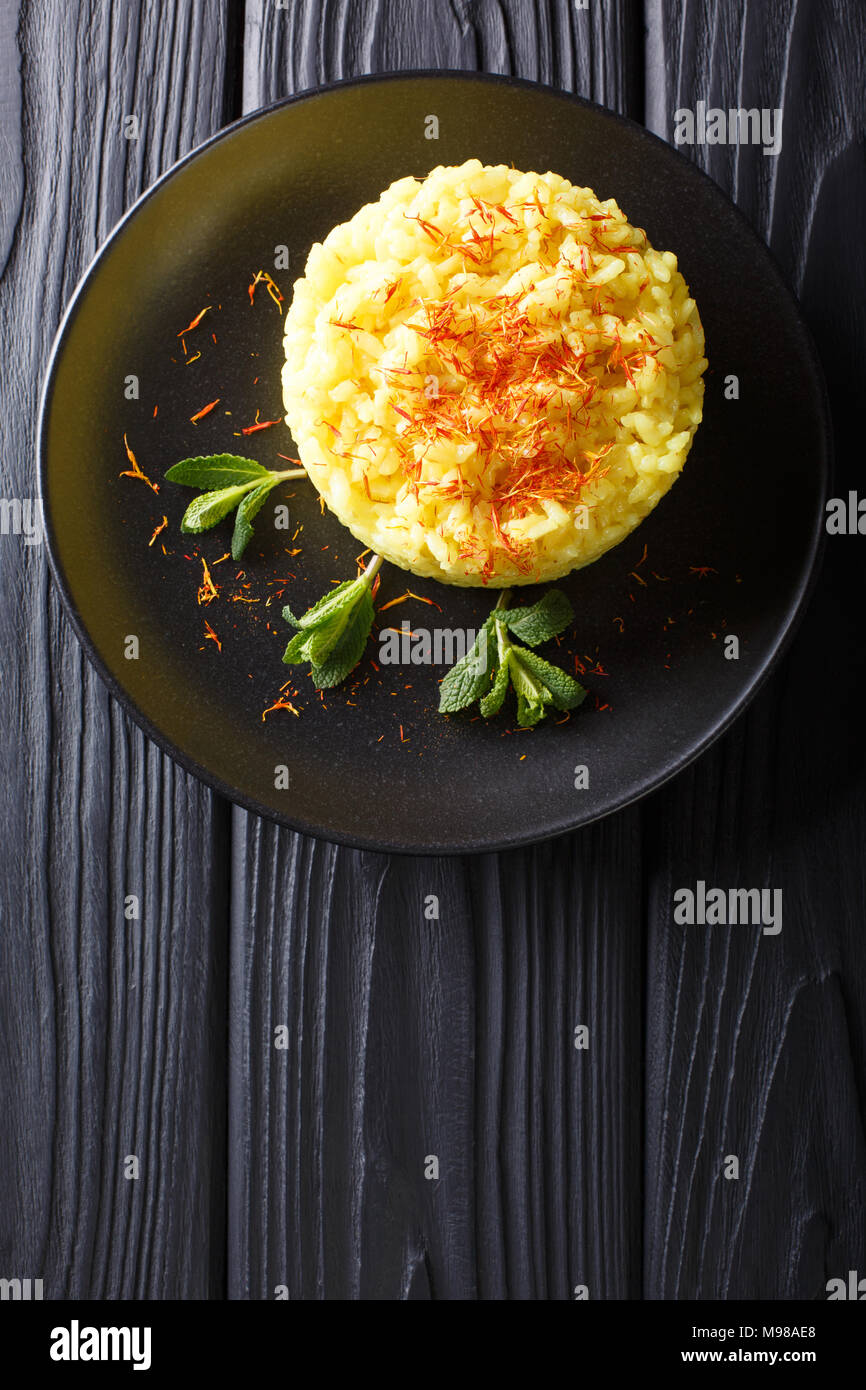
(409, 1038)
(755, 1044)
(113, 1030)
(596, 52)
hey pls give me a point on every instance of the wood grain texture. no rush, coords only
(755, 1044)
(596, 52)
(112, 1030)
(409, 1037)
(452, 1038)
(11, 162)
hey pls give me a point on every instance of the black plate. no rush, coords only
(729, 551)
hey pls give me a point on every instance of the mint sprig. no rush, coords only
(469, 678)
(333, 633)
(545, 619)
(227, 482)
(495, 661)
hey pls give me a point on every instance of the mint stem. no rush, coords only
(502, 640)
(276, 478)
(271, 481)
(372, 569)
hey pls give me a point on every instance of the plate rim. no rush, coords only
(794, 611)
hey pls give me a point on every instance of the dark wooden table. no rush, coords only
(304, 1167)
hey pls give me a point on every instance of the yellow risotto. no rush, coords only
(491, 376)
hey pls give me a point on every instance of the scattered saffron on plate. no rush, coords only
(409, 594)
(135, 471)
(207, 590)
(272, 288)
(260, 425)
(393, 602)
(205, 410)
(196, 321)
(281, 704)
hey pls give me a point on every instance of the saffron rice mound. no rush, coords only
(491, 376)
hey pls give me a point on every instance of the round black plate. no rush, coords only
(729, 552)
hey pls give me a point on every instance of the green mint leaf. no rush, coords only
(492, 703)
(296, 650)
(247, 511)
(564, 691)
(331, 603)
(545, 619)
(484, 675)
(322, 638)
(532, 709)
(215, 471)
(347, 651)
(469, 678)
(333, 633)
(314, 643)
(533, 697)
(208, 508)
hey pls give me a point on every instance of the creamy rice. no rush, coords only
(491, 376)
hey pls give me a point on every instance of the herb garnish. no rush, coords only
(333, 633)
(495, 660)
(227, 481)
